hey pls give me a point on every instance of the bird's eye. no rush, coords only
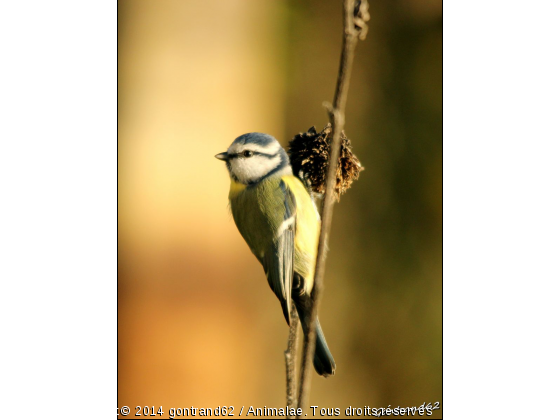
(247, 153)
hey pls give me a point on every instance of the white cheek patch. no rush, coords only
(251, 169)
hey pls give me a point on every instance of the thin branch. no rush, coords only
(336, 113)
(290, 357)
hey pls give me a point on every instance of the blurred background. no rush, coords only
(197, 323)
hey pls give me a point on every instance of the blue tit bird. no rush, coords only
(279, 221)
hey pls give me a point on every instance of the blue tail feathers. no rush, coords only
(323, 360)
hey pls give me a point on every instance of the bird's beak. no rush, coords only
(222, 156)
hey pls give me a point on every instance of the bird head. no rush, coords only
(255, 156)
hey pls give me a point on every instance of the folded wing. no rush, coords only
(278, 260)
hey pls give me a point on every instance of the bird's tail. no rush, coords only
(323, 360)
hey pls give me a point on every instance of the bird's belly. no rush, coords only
(251, 222)
(259, 229)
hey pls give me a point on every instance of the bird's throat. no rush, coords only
(235, 188)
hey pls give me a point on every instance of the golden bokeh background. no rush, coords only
(197, 323)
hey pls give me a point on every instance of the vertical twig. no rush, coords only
(355, 15)
(290, 357)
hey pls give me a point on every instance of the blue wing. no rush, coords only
(278, 261)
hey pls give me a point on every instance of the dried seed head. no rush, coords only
(309, 155)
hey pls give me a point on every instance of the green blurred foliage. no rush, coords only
(386, 246)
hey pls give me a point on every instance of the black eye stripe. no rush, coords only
(240, 155)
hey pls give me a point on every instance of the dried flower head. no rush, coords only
(309, 155)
